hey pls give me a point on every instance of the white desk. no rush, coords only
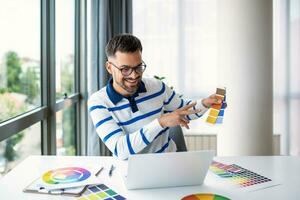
(285, 169)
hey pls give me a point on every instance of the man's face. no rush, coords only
(126, 85)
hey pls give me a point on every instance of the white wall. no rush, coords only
(245, 60)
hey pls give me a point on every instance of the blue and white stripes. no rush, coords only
(144, 137)
(125, 132)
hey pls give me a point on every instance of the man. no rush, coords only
(133, 114)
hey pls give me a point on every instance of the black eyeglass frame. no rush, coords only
(131, 69)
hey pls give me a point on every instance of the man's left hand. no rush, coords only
(212, 99)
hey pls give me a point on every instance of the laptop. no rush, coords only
(167, 169)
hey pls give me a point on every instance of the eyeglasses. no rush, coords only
(127, 70)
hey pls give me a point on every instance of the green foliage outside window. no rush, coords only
(8, 108)
(22, 79)
(30, 85)
(14, 70)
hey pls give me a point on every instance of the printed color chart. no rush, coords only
(100, 192)
(237, 175)
(204, 197)
(216, 113)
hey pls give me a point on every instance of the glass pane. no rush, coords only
(16, 148)
(66, 131)
(180, 41)
(158, 32)
(294, 127)
(65, 36)
(294, 47)
(176, 34)
(286, 47)
(294, 77)
(19, 57)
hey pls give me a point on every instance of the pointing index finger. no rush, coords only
(189, 112)
(187, 106)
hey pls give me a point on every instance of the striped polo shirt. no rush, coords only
(130, 125)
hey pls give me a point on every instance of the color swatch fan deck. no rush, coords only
(216, 113)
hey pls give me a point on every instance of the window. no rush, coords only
(286, 72)
(17, 147)
(65, 131)
(20, 64)
(179, 41)
(65, 75)
(41, 100)
(65, 38)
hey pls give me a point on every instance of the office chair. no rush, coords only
(176, 134)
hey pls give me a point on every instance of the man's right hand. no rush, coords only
(178, 117)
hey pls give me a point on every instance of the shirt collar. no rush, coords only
(115, 97)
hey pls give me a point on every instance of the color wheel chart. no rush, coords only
(216, 113)
(66, 175)
(100, 192)
(204, 197)
(240, 177)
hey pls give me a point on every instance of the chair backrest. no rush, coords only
(176, 134)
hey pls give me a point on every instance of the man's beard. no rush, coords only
(129, 89)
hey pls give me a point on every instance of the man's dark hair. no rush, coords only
(125, 43)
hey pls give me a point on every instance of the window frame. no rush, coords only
(46, 113)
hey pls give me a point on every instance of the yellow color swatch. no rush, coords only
(102, 194)
(93, 197)
(211, 119)
(214, 112)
